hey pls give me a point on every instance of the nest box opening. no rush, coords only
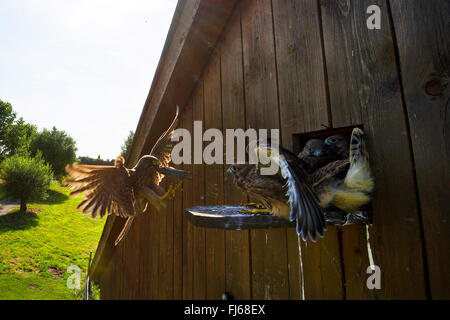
(300, 139)
(231, 217)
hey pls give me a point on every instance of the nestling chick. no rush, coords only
(315, 155)
(338, 145)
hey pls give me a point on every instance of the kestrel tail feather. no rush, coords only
(359, 176)
(125, 230)
(357, 145)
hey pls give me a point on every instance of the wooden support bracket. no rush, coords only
(231, 218)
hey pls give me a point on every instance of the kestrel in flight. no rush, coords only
(125, 192)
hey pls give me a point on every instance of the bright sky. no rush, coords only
(84, 66)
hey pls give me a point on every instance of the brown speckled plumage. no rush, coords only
(121, 191)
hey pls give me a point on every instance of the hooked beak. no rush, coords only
(180, 174)
(317, 153)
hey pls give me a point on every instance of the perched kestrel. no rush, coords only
(293, 200)
(122, 191)
(299, 195)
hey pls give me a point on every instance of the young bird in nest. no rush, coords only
(126, 192)
(288, 195)
(338, 145)
(348, 183)
(316, 154)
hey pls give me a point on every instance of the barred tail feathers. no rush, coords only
(359, 175)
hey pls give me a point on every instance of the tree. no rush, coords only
(57, 148)
(25, 178)
(98, 161)
(15, 134)
(7, 116)
(17, 138)
(126, 147)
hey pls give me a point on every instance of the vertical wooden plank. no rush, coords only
(364, 88)
(123, 255)
(303, 108)
(153, 250)
(165, 278)
(233, 112)
(199, 238)
(188, 194)
(269, 249)
(162, 243)
(105, 284)
(215, 239)
(110, 267)
(115, 277)
(145, 245)
(301, 79)
(421, 28)
(131, 260)
(178, 214)
(119, 272)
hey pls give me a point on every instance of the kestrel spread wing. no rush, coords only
(107, 189)
(304, 205)
(121, 191)
(162, 149)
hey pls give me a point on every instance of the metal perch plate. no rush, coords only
(230, 218)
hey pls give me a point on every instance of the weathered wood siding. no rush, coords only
(298, 66)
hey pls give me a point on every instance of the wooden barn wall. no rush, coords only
(298, 66)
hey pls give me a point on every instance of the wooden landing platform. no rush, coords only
(231, 218)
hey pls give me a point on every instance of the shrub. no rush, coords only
(25, 178)
(57, 148)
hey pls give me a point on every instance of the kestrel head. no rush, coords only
(233, 169)
(147, 162)
(314, 148)
(237, 169)
(338, 144)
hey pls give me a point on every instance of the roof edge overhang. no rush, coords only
(194, 32)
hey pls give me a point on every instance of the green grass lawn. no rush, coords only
(37, 247)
